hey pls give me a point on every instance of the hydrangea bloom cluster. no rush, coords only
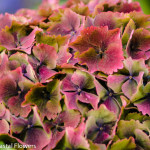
(76, 76)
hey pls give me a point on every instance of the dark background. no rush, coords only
(11, 6)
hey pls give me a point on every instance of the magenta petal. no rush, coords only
(67, 85)
(115, 82)
(101, 137)
(70, 100)
(14, 104)
(111, 105)
(89, 98)
(4, 126)
(37, 137)
(45, 73)
(129, 88)
(144, 107)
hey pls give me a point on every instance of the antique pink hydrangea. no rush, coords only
(75, 76)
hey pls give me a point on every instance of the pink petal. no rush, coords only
(75, 136)
(70, 20)
(56, 137)
(106, 19)
(5, 21)
(89, 98)
(2, 110)
(45, 73)
(112, 60)
(46, 55)
(14, 104)
(18, 124)
(7, 88)
(70, 100)
(129, 88)
(67, 85)
(115, 82)
(7, 40)
(4, 126)
(63, 56)
(144, 107)
(111, 105)
(37, 137)
(28, 41)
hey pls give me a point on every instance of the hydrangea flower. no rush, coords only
(139, 44)
(129, 77)
(141, 98)
(70, 24)
(67, 118)
(78, 87)
(75, 76)
(13, 88)
(4, 119)
(74, 138)
(31, 130)
(100, 49)
(13, 42)
(46, 98)
(99, 124)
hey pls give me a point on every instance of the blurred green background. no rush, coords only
(11, 6)
(145, 4)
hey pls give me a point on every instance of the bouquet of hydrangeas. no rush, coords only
(75, 76)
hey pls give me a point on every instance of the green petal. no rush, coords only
(103, 114)
(125, 144)
(127, 128)
(127, 32)
(142, 139)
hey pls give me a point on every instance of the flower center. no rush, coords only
(101, 128)
(19, 92)
(29, 126)
(110, 94)
(99, 52)
(130, 77)
(79, 91)
(46, 95)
